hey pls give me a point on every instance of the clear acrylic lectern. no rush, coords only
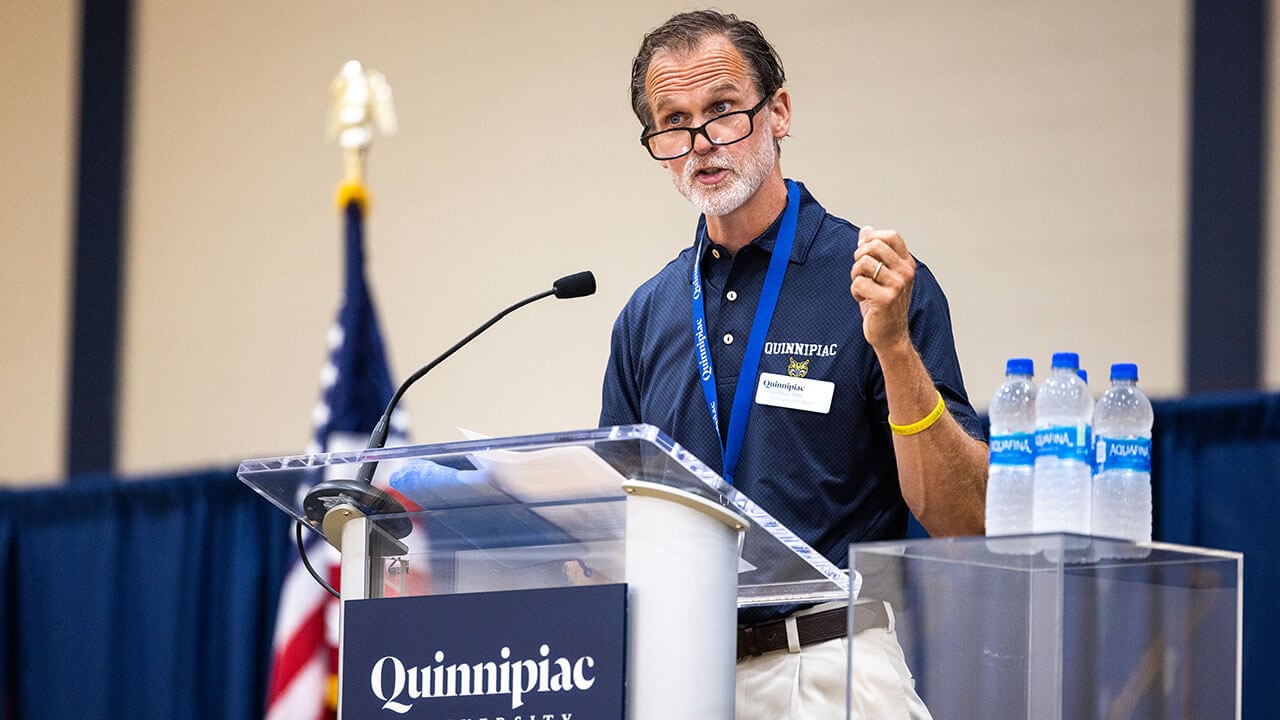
(610, 505)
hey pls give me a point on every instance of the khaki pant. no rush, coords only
(810, 684)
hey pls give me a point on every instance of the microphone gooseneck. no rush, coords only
(578, 284)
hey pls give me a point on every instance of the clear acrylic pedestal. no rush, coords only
(1062, 626)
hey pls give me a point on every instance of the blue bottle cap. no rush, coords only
(1019, 366)
(1068, 360)
(1124, 371)
(1083, 375)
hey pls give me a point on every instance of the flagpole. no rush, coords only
(355, 386)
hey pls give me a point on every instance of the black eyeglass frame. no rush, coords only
(702, 129)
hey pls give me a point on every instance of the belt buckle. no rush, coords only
(793, 634)
(753, 647)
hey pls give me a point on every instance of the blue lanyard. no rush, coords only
(731, 446)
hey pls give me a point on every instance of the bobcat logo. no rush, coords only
(797, 369)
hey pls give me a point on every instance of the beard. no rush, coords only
(746, 174)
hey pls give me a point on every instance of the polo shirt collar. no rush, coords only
(807, 225)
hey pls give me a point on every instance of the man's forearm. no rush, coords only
(942, 470)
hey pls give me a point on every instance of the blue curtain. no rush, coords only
(156, 598)
(1216, 474)
(140, 599)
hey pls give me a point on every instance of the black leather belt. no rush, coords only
(812, 628)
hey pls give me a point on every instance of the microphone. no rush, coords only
(579, 284)
(360, 491)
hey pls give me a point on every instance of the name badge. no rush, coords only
(795, 393)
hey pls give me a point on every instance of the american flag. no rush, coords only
(355, 386)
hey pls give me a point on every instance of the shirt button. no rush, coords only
(715, 253)
(731, 295)
(728, 338)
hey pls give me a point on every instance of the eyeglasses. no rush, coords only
(727, 129)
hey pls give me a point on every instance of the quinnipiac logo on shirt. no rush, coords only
(799, 349)
(796, 368)
(808, 351)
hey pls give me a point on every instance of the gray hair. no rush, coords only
(686, 31)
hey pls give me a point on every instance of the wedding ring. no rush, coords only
(876, 274)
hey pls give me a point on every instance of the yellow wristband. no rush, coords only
(922, 425)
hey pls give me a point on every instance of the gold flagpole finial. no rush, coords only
(360, 103)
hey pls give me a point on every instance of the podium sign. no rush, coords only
(553, 652)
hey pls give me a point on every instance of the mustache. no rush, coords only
(714, 160)
(693, 168)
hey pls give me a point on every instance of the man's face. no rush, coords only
(686, 89)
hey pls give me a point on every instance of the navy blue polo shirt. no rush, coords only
(829, 477)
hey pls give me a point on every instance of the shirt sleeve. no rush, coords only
(930, 323)
(620, 397)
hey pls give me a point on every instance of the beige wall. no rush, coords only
(1007, 141)
(1032, 154)
(38, 71)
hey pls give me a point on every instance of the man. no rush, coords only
(809, 361)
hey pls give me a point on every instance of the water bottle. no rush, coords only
(1011, 473)
(1122, 480)
(1063, 488)
(1084, 378)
